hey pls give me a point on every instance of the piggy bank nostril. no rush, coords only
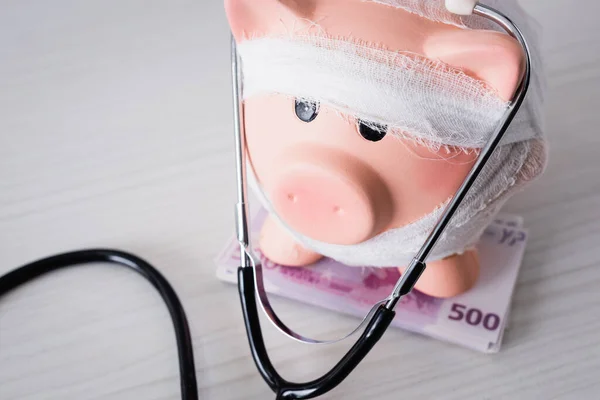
(292, 197)
(339, 211)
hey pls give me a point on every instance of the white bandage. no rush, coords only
(414, 97)
(409, 94)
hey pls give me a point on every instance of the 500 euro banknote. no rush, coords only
(476, 319)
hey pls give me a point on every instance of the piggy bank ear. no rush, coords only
(492, 57)
(255, 18)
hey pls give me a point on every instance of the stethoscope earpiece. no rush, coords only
(461, 7)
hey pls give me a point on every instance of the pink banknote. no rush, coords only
(476, 319)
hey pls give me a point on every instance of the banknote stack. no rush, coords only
(476, 319)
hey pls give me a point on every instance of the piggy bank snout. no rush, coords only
(336, 200)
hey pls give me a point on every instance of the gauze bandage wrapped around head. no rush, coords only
(418, 99)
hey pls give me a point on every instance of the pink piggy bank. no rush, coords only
(362, 119)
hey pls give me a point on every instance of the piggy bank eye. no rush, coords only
(371, 131)
(306, 111)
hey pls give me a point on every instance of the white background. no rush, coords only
(115, 131)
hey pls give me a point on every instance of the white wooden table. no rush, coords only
(116, 131)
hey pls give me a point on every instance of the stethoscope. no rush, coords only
(250, 273)
(374, 325)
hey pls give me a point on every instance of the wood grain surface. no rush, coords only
(116, 131)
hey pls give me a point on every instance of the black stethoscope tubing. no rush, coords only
(185, 349)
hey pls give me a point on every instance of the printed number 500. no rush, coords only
(474, 317)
